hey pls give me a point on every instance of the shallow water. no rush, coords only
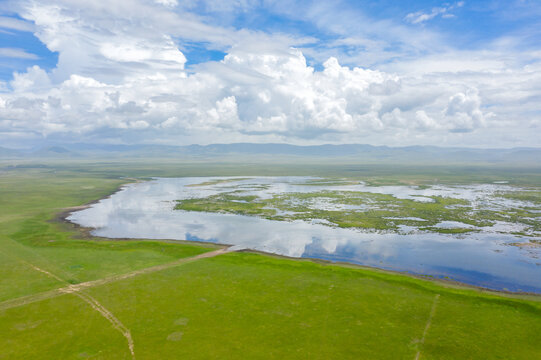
(145, 210)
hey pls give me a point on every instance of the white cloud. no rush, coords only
(34, 79)
(355, 38)
(423, 121)
(17, 54)
(274, 94)
(464, 111)
(121, 76)
(169, 3)
(444, 11)
(15, 24)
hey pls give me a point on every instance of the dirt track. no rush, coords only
(8, 304)
(76, 290)
(428, 323)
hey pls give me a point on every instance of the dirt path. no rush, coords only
(43, 271)
(95, 304)
(24, 300)
(89, 284)
(76, 290)
(428, 323)
(117, 324)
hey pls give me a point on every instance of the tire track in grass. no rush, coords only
(28, 299)
(95, 304)
(427, 326)
(93, 283)
(117, 324)
(44, 272)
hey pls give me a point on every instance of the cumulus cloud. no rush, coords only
(122, 76)
(275, 94)
(463, 110)
(32, 80)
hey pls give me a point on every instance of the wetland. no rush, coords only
(483, 234)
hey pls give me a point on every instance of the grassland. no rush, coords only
(234, 305)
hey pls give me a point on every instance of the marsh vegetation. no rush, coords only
(436, 208)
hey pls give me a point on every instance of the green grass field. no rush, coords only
(231, 306)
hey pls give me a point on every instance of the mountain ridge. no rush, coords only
(355, 152)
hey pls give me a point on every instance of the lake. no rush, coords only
(484, 258)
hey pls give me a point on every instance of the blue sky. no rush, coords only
(471, 25)
(27, 42)
(430, 72)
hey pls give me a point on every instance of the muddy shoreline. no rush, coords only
(84, 233)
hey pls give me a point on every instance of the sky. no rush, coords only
(180, 72)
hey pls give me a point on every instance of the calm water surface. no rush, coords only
(145, 210)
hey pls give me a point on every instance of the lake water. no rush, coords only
(485, 258)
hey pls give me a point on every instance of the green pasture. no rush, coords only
(237, 305)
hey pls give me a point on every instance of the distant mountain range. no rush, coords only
(348, 152)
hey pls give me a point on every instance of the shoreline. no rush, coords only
(84, 233)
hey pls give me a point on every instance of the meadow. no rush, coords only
(65, 294)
